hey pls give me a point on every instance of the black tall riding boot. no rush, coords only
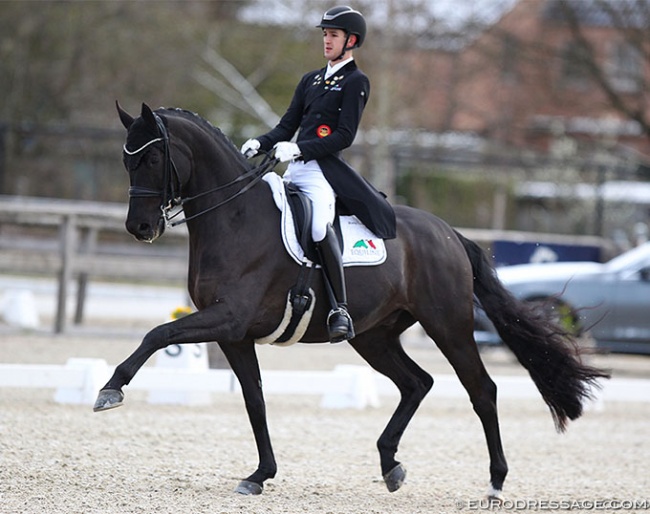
(339, 322)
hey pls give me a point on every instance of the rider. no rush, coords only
(325, 111)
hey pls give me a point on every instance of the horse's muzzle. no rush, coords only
(146, 232)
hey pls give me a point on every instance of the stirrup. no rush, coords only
(339, 325)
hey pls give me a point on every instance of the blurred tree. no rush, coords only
(64, 65)
(250, 82)
(69, 61)
(620, 70)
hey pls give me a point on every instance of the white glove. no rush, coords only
(249, 148)
(286, 151)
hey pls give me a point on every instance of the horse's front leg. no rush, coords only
(111, 395)
(202, 326)
(205, 325)
(243, 361)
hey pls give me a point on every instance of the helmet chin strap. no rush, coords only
(345, 48)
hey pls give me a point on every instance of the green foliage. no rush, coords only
(65, 63)
(69, 61)
(461, 199)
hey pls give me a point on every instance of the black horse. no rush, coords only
(239, 275)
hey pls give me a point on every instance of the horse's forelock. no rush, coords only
(139, 134)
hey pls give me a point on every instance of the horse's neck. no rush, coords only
(232, 223)
(228, 229)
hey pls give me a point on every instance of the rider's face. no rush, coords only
(333, 41)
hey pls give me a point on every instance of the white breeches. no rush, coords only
(309, 178)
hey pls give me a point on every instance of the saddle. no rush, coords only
(301, 208)
(360, 246)
(363, 249)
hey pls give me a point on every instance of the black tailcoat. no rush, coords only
(327, 114)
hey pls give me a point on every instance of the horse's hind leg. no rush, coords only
(461, 351)
(383, 351)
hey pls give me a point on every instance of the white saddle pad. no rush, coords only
(360, 246)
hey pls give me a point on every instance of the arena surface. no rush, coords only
(145, 458)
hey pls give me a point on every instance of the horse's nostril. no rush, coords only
(143, 227)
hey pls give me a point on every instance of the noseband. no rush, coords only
(170, 195)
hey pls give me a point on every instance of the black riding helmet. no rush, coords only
(347, 19)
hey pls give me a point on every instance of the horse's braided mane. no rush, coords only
(196, 118)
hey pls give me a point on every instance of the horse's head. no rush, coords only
(152, 173)
(175, 158)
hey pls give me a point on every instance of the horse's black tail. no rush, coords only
(547, 351)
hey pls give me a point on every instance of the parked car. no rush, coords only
(610, 301)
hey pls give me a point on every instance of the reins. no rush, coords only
(256, 174)
(169, 196)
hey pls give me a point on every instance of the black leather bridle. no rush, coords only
(171, 184)
(170, 194)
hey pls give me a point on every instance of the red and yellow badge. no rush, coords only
(324, 131)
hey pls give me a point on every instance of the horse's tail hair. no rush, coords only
(548, 352)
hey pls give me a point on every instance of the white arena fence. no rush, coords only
(346, 386)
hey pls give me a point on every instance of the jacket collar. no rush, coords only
(339, 66)
(320, 86)
(350, 66)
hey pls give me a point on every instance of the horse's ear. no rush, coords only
(147, 115)
(125, 117)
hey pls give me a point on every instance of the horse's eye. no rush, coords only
(131, 162)
(153, 159)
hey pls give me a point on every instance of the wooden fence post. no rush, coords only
(89, 242)
(68, 242)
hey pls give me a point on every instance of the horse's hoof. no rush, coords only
(108, 399)
(246, 487)
(394, 479)
(495, 497)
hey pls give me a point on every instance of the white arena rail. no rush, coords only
(346, 386)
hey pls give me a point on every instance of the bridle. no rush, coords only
(170, 194)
